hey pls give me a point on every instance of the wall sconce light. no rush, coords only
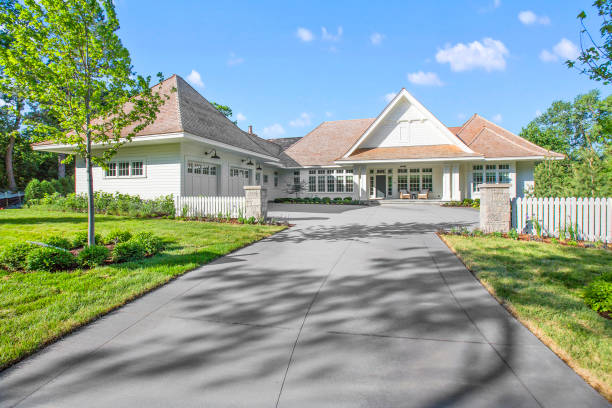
(214, 154)
(258, 167)
(249, 163)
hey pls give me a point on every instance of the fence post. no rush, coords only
(495, 207)
(256, 202)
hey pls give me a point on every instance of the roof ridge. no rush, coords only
(178, 103)
(532, 145)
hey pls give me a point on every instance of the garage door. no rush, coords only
(238, 179)
(201, 179)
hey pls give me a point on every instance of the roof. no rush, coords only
(284, 142)
(187, 111)
(491, 140)
(409, 152)
(328, 141)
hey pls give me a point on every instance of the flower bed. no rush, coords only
(319, 200)
(467, 202)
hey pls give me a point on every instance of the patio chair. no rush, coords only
(423, 194)
(404, 194)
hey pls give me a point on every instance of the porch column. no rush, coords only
(446, 183)
(456, 187)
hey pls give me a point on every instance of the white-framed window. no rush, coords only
(126, 168)
(490, 174)
(330, 182)
(296, 178)
(348, 185)
(265, 178)
(275, 179)
(257, 178)
(477, 176)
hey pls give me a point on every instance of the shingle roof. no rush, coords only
(490, 139)
(187, 111)
(327, 142)
(409, 152)
(284, 142)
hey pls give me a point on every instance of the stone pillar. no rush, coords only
(495, 207)
(256, 202)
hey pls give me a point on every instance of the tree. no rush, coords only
(551, 178)
(225, 110)
(292, 188)
(67, 57)
(595, 54)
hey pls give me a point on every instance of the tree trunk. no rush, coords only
(91, 236)
(10, 174)
(61, 167)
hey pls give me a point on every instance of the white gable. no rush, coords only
(405, 122)
(405, 125)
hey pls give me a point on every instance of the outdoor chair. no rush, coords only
(423, 194)
(404, 194)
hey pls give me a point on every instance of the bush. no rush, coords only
(598, 294)
(316, 199)
(92, 256)
(116, 236)
(58, 241)
(13, 256)
(326, 200)
(153, 244)
(476, 203)
(80, 239)
(131, 250)
(337, 199)
(513, 234)
(49, 259)
(33, 190)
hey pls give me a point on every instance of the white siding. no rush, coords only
(162, 173)
(524, 177)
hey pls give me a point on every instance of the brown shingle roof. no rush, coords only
(327, 142)
(492, 140)
(409, 152)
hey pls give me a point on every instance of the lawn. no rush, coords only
(37, 308)
(541, 284)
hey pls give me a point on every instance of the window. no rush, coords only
(330, 183)
(275, 179)
(491, 177)
(265, 178)
(112, 170)
(205, 169)
(321, 171)
(476, 179)
(427, 182)
(427, 170)
(415, 182)
(136, 168)
(349, 171)
(321, 183)
(296, 177)
(390, 171)
(390, 185)
(257, 178)
(349, 183)
(340, 182)
(402, 171)
(372, 184)
(312, 183)
(380, 171)
(312, 172)
(414, 170)
(213, 170)
(402, 182)
(124, 169)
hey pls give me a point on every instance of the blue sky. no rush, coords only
(285, 67)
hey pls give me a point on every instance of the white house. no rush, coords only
(192, 149)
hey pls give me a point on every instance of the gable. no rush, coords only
(406, 122)
(405, 125)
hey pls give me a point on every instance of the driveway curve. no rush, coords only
(352, 307)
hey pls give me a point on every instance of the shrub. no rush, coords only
(513, 234)
(348, 198)
(49, 259)
(476, 203)
(13, 256)
(58, 241)
(33, 190)
(497, 234)
(80, 239)
(598, 294)
(316, 199)
(278, 200)
(571, 242)
(151, 243)
(337, 199)
(326, 200)
(92, 256)
(117, 235)
(131, 250)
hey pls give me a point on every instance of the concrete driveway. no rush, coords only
(353, 307)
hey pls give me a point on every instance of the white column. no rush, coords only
(456, 187)
(514, 187)
(446, 183)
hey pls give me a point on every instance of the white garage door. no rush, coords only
(201, 179)
(238, 179)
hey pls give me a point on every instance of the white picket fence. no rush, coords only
(201, 206)
(590, 218)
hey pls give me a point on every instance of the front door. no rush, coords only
(381, 182)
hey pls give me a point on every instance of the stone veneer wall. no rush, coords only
(256, 202)
(495, 207)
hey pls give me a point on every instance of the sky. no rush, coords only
(286, 66)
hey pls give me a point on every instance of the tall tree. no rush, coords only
(68, 58)
(595, 53)
(225, 110)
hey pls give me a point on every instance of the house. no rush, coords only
(192, 149)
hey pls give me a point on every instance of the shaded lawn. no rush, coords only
(37, 308)
(542, 285)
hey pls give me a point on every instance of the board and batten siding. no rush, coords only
(162, 172)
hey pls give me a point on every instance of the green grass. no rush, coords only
(542, 285)
(37, 308)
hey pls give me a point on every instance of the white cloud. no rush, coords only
(488, 55)
(425, 78)
(528, 17)
(389, 97)
(376, 38)
(301, 121)
(195, 79)
(327, 36)
(304, 34)
(497, 118)
(240, 117)
(329, 114)
(274, 130)
(564, 49)
(234, 60)
(496, 3)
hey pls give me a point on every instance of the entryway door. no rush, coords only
(381, 183)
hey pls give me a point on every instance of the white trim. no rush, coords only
(523, 158)
(405, 94)
(408, 160)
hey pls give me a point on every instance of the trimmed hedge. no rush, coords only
(92, 256)
(131, 250)
(319, 200)
(49, 259)
(13, 256)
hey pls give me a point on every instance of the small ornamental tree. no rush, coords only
(292, 188)
(67, 57)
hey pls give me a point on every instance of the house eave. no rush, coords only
(229, 147)
(433, 159)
